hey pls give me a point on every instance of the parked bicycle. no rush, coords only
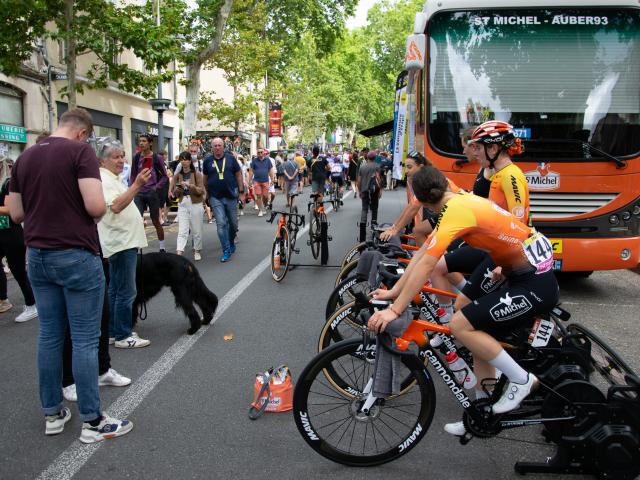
(284, 243)
(318, 229)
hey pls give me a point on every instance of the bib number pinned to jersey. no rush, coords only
(539, 252)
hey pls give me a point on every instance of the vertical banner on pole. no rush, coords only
(275, 120)
(400, 125)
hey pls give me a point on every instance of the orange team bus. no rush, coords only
(566, 75)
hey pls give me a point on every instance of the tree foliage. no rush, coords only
(102, 28)
(353, 86)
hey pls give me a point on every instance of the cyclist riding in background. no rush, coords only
(318, 170)
(336, 173)
(523, 256)
(491, 144)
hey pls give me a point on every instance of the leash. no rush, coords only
(142, 309)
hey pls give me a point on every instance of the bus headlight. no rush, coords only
(625, 254)
(626, 216)
(614, 219)
(636, 209)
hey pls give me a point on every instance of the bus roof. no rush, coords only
(433, 6)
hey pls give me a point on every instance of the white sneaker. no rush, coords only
(197, 257)
(255, 207)
(28, 313)
(112, 340)
(54, 424)
(241, 213)
(69, 393)
(108, 428)
(113, 378)
(261, 213)
(514, 394)
(132, 342)
(456, 428)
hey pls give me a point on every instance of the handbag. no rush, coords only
(272, 392)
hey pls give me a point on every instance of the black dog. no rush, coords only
(156, 270)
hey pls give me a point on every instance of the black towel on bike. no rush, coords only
(368, 266)
(387, 376)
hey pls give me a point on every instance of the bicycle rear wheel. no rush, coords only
(331, 422)
(280, 254)
(324, 241)
(347, 271)
(353, 253)
(345, 293)
(314, 236)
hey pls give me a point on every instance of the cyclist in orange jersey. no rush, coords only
(523, 257)
(414, 162)
(491, 144)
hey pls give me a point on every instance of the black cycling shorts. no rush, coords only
(480, 283)
(338, 179)
(514, 304)
(464, 259)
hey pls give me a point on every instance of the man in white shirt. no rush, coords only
(121, 233)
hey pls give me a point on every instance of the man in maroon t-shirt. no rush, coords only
(56, 190)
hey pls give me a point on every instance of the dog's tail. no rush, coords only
(205, 298)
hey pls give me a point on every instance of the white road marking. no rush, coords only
(69, 462)
(625, 305)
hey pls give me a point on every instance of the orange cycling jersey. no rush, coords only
(509, 190)
(483, 225)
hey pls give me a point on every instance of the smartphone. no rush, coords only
(147, 163)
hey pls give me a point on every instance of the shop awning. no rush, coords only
(378, 129)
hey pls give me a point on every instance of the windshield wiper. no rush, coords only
(582, 143)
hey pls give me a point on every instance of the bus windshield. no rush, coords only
(565, 78)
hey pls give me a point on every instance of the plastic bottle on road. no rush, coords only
(461, 370)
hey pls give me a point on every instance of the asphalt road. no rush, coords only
(190, 394)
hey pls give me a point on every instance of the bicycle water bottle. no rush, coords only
(461, 370)
(276, 262)
(436, 341)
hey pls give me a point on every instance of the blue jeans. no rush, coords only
(69, 289)
(122, 292)
(226, 212)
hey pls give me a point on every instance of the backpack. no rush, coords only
(374, 186)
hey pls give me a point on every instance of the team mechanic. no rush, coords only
(522, 255)
(492, 145)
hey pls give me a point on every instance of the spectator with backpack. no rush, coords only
(369, 183)
(148, 195)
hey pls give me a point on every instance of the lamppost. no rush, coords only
(160, 104)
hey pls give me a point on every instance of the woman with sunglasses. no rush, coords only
(413, 163)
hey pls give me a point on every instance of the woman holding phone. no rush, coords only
(189, 189)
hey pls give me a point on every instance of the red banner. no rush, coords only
(275, 120)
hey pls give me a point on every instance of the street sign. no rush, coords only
(12, 133)
(59, 76)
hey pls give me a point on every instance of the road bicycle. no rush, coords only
(284, 242)
(338, 415)
(335, 195)
(318, 228)
(354, 252)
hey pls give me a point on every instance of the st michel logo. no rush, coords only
(543, 178)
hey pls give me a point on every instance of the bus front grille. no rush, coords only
(564, 205)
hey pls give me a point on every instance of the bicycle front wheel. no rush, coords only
(280, 254)
(332, 423)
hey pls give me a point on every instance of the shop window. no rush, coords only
(11, 106)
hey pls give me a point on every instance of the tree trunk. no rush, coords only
(236, 124)
(70, 57)
(192, 73)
